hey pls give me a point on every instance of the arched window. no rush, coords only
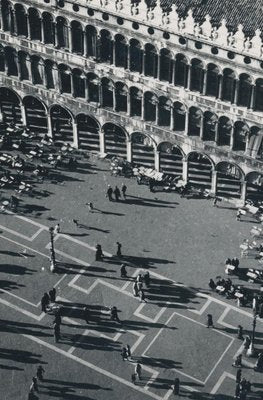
(151, 61)
(48, 27)
(11, 60)
(65, 78)
(121, 51)
(197, 75)
(36, 68)
(164, 117)
(229, 85)
(195, 118)
(23, 65)
(150, 104)
(244, 91)
(241, 131)
(136, 55)
(49, 74)
(136, 102)
(62, 124)
(62, 33)
(7, 15)
(21, 20)
(224, 131)
(106, 48)
(165, 65)
(77, 37)
(79, 83)
(178, 116)
(213, 79)
(93, 88)
(259, 95)
(91, 37)
(34, 24)
(210, 125)
(107, 92)
(181, 70)
(121, 95)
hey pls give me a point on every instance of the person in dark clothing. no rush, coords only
(52, 295)
(44, 302)
(40, 371)
(86, 312)
(124, 190)
(123, 271)
(114, 314)
(117, 193)
(133, 379)
(176, 386)
(57, 319)
(240, 332)
(99, 253)
(238, 375)
(118, 253)
(212, 284)
(151, 185)
(210, 321)
(109, 192)
(237, 391)
(147, 279)
(57, 332)
(124, 354)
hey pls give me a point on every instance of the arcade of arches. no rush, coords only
(130, 54)
(85, 132)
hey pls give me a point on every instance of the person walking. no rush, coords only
(238, 375)
(99, 253)
(138, 370)
(238, 216)
(52, 295)
(58, 319)
(133, 379)
(114, 314)
(118, 253)
(124, 354)
(57, 336)
(40, 371)
(147, 279)
(238, 361)
(210, 322)
(109, 192)
(91, 207)
(86, 313)
(117, 193)
(237, 391)
(75, 221)
(176, 386)
(44, 302)
(142, 296)
(123, 271)
(128, 351)
(34, 386)
(215, 202)
(135, 289)
(57, 229)
(123, 190)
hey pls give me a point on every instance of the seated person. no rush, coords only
(212, 284)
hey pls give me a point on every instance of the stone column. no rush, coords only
(28, 65)
(217, 132)
(28, 27)
(85, 47)
(171, 118)
(143, 62)
(129, 150)
(188, 86)
(42, 30)
(186, 122)
(75, 134)
(232, 138)
(243, 191)
(156, 113)
(23, 113)
(73, 94)
(214, 182)
(114, 98)
(157, 160)
(15, 23)
(70, 39)
(202, 127)
(56, 78)
(204, 82)
(142, 109)
(55, 34)
(102, 142)
(252, 98)
(129, 102)
(220, 86)
(49, 126)
(236, 91)
(159, 66)
(247, 144)
(185, 170)
(113, 52)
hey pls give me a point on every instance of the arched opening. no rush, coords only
(255, 142)
(77, 37)
(48, 65)
(21, 20)
(34, 24)
(166, 65)
(179, 116)
(241, 131)
(121, 96)
(62, 33)
(195, 120)
(136, 55)
(164, 111)
(244, 91)
(48, 28)
(2, 59)
(210, 126)
(11, 60)
(224, 131)
(142, 150)
(121, 51)
(23, 66)
(228, 85)
(254, 185)
(151, 61)
(106, 47)
(36, 70)
(79, 87)
(229, 178)
(88, 133)
(65, 78)
(62, 124)
(7, 16)
(93, 83)
(150, 105)
(197, 75)
(10, 106)
(36, 115)
(259, 95)
(91, 37)
(107, 88)
(212, 80)
(115, 140)
(136, 102)
(181, 70)
(200, 170)
(171, 159)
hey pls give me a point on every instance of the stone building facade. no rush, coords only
(160, 86)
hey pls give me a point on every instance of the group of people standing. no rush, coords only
(116, 192)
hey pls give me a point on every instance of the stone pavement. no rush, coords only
(181, 242)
